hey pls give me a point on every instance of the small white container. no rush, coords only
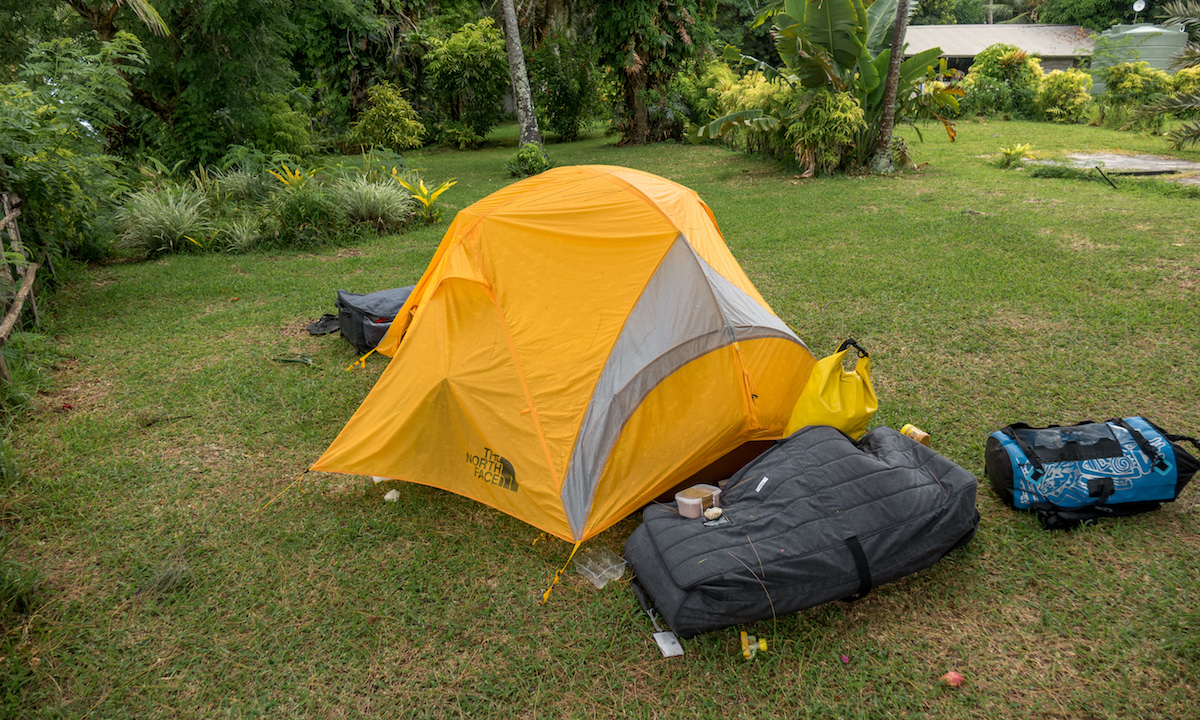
(693, 501)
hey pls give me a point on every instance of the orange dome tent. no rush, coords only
(581, 342)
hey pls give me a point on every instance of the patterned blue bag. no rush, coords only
(1071, 474)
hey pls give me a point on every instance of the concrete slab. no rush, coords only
(1116, 164)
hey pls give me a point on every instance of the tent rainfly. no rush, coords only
(582, 341)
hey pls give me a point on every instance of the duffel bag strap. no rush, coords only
(1156, 458)
(1038, 470)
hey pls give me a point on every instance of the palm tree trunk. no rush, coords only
(526, 117)
(882, 160)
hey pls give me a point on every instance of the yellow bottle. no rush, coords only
(916, 433)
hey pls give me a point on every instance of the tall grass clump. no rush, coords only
(303, 212)
(171, 219)
(384, 204)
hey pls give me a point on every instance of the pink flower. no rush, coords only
(953, 679)
(845, 659)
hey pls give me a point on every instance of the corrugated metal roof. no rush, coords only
(1048, 41)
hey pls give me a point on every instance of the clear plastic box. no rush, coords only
(600, 565)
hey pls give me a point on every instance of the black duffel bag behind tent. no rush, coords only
(365, 318)
(1071, 474)
(818, 517)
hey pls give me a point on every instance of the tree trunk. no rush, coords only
(882, 160)
(526, 117)
(639, 131)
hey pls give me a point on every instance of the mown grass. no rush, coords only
(985, 296)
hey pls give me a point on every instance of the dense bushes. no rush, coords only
(562, 76)
(389, 121)
(817, 131)
(467, 78)
(1003, 79)
(245, 208)
(1063, 96)
(52, 143)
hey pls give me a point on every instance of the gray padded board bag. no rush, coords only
(817, 517)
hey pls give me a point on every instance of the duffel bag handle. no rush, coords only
(1156, 458)
(1038, 470)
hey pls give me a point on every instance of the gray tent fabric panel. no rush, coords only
(739, 310)
(681, 315)
(793, 516)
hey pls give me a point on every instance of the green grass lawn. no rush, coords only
(985, 296)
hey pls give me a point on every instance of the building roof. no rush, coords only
(1047, 41)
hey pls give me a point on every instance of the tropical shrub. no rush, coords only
(389, 121)
(277, 126)
(302, 212)
(530, 159)
(714, 79)
(1128, 88)
(1186, 81)
(1013, 154)
(467, 77)
(562, 75)
(1064, 97)
(1134, 83)
(823, 130)
(825, 45)
(175, 218)
(381, 204)
(52, 126)
(648, 43)
(243, 185)
(423, 194)
(1020, 72)
(984, 96)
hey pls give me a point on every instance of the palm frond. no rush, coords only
(148, 15)
(1188, 57)
(1181, 12)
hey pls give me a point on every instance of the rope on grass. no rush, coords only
(558, 575)
(281, 492)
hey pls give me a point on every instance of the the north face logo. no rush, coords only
(491, 468)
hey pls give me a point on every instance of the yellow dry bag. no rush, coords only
(835, 397)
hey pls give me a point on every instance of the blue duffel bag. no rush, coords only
(1071, 474)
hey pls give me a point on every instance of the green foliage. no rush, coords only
(304, 212)
(52, 143)
(1186, 81)
(985, 96)
(381, 204)
(563, 78)
(1098, 15)
(224, 75)
(948, 12)
(171, 219)
(1011, 66)
(1064, 97)
(277, 126)
(827, 45)
(1134, 83)
(423, 194)
(823, 130)
(1013, 154)
(467, 79)
(647, 43)
(240, 185)
(389, 121)
(1130, 87)
(530, 159)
